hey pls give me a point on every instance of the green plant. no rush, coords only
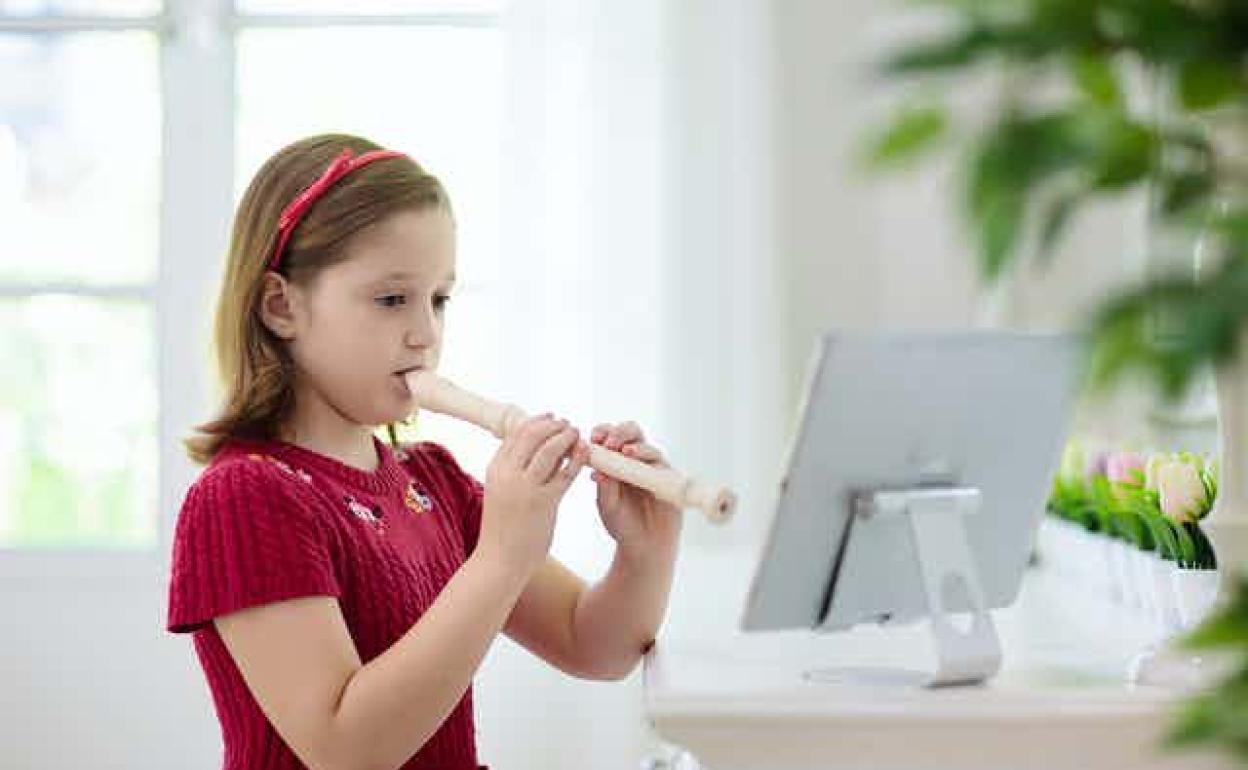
(1132, 512)
(1217, 716)
(1066, 130)
(1036, 160)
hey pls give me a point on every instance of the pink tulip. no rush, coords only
(1094, 465)
(1181, 491)
(1125, 468)
(1155, 463)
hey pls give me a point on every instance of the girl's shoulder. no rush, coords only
(410, 452)
(429, 459)
(248, 471)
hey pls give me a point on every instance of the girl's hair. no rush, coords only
(253, 364)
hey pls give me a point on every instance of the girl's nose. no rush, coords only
(423, 330)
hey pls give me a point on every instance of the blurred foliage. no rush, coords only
(1063, 131)
(1220, 715)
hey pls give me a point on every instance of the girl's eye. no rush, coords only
(392, 300)
(440, 300)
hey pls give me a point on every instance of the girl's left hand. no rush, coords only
(634, 517)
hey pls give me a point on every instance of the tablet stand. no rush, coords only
(938, 519)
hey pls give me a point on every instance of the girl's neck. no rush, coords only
(317, 426)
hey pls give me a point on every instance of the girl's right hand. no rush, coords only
(530, 472)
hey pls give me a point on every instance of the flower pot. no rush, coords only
(1195, 591)
(1166, 604)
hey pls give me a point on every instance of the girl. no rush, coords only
(342, 593)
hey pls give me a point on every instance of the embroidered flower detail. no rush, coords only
(361, 511)
(417, 501)
(298, 473)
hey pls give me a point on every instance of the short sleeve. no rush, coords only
(245, 538)
(466, 493)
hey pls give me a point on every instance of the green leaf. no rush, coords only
(1000, 225)
(1205, 557)
(1125, 156)
(1095, 76)
(1205, 84)
(1054, 221)
(1170, 329)
(1167, 544)
(1197, 723)
(913, 132)
(934, 56)
(1216, 716)
(1228, 628)
(1182, 192)
(1185, 551)
(1013, 157)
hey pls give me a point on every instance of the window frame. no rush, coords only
(197, 44)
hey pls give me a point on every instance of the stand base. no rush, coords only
(873, 678)
(937, 522)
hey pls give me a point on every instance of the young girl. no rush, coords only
(341, 592)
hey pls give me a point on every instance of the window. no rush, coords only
(79, 155)
(115, 211)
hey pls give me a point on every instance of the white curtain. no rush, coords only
(580, 324)
(635, 285)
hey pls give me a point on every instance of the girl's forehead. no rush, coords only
(412, 245)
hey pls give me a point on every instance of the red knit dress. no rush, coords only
(269, 521)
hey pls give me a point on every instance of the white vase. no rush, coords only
(1166, 603)
(1127, 587)
(1195, 591)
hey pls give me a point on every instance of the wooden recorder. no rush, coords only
(439, 395)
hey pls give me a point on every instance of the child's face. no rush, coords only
(377, 314)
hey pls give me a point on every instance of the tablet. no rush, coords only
(984, 411)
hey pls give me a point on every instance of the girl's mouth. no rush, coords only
(402, 376)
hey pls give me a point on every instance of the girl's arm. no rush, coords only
(599, 631)
(335, 713)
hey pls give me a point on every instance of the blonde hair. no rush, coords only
(253, 364)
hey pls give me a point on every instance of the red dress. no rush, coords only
(269, 521)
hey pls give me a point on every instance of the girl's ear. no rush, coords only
(277, 306)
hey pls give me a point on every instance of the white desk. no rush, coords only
(1060, 702)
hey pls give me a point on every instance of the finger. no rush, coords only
(603, 434)
(548, 457)
(608, 490)
(624, 433)
(533, 433)
(646, 453)
(511, 441)
(568, 473)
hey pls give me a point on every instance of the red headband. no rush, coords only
(344, 164)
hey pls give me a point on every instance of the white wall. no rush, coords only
(90, 680)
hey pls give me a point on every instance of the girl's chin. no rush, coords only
(403, 409)
(392, 409)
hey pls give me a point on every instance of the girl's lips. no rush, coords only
(402, 377)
